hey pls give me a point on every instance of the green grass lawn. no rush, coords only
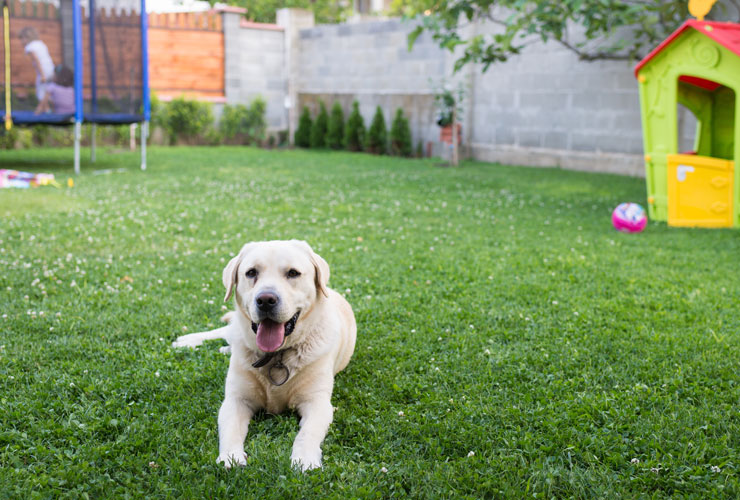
(510, 342)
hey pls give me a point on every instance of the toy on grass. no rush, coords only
(698, 66)
(25, 180)
(629, 218)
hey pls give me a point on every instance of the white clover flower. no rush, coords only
(635, 461)
(716, 469)
(400, 414)
(383, 470)
(471, 454)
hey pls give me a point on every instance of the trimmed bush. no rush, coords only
(303, 133)
(186, 120)
(318, 130)
(244, 125)
(354, 132)
(335, 131)
(377, 135)
(400, 135)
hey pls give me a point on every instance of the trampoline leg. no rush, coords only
(92, 142)
(144, 136)
(78, 132)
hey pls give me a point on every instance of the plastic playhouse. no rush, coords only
(698, 66)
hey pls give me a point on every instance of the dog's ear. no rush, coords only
(320, 266)
(322, 273)
(231, 271)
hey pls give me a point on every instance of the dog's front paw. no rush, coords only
(187, 341)
(231, 459)
(306, 461)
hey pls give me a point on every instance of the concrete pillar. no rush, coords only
(231, 17)
(292, 21)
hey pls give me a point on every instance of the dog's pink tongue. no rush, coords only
(270, 335)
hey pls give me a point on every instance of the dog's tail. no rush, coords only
(226, 318)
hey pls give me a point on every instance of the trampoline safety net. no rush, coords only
(43, 62)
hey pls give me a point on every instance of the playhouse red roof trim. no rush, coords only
(725, 34)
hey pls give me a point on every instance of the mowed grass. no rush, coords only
(511, 344)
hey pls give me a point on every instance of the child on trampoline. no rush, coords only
(39, 54)
(60, 94)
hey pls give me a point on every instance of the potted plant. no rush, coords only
(449, 109)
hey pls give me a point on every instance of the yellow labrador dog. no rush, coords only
(289, 335)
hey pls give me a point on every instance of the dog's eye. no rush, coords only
(293, 273)
(252, 273)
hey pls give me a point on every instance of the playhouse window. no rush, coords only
(705, 118)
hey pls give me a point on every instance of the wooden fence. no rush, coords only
(186, 54)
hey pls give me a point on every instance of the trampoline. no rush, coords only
(76, 61)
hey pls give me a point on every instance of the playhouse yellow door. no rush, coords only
(700, 191)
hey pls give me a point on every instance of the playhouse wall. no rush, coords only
(690, 54)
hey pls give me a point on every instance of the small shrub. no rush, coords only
(187, 120)
(377, 135)
(303, 133)
(156, 109)
(244, 125)
(15, 138)
(319, 128)
(400, 135)
(335, 132)
(354, 132)
(282, 138)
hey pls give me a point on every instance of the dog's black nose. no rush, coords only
(266, 301)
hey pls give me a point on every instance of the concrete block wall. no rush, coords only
(261, 63)
(369, 62)
(546, 107)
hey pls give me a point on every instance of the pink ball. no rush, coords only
(629, 218)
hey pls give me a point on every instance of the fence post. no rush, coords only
(292, 21)
(231, 17)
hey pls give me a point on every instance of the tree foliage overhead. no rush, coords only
(592, 29)
(263, 11)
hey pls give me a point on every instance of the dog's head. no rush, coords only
(275, 283)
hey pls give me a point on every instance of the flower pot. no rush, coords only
(445, 134)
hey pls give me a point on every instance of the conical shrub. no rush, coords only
(400, 135)
(354, 132)
(335, 131)
(318, 130)
(377, 135)
(303, 133)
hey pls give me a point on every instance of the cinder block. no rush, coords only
(505, 135)
(555, 140)
(620, 100)
(529, 138)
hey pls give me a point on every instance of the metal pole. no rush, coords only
(146, 105)
(94, 129)
(77, 31)
(78, 133)
(144, 136)
(93, 66)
